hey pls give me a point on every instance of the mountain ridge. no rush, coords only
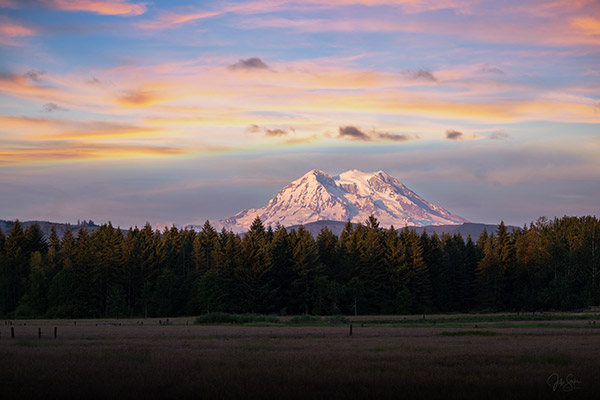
(472, 229)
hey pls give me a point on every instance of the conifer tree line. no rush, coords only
(549, 265)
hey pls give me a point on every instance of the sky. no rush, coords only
(174, 112)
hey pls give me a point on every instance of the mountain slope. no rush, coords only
(353, 195)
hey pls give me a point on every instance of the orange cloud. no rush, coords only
(72, 129)
(42, 153)
(111, 7)
(590, 26)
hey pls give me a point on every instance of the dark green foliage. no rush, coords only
(550, 265)
(305, 319)
(225, 318)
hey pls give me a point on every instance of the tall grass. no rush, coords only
(468, 333)
(476, 318)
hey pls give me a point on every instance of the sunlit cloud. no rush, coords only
(589, 25)
(73, 129)
(34, 153)
(108, 7)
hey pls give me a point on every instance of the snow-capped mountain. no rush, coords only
(353, 195)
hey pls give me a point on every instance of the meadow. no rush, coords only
(440, 356)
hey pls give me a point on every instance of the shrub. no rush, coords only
(337, 319)
(226, 318)
(305, 319)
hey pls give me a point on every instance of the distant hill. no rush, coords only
(46, 226)
(466, 229)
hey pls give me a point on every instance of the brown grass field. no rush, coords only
(94, 360)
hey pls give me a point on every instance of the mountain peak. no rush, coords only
(352, 195)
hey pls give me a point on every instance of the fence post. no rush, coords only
(12, 332)
(350, 329)
(54, 332)
(39, 333)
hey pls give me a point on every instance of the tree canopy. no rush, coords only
(367, 270)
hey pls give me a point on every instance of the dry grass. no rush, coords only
(153, 361)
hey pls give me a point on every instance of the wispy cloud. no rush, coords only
(137, 98)
(34, 75)
(11, 31)
(107, 7)
(589, 25)
(275, 132)
(170, 19)
(452, 134)
(422, 74)
(499, 135)
(56, 128)
(51, 107)
(392, 137)
(41, 152)
(491, 69)
(353, 133)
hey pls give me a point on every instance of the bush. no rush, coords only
(226, 318)
(337, 319)
(305, 319)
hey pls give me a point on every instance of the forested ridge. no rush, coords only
(548, 265)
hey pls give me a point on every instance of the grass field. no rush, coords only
(457, 357)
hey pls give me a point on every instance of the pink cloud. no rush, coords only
(10, 31)
(112, 7)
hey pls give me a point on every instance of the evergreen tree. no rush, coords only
(414, 272)
(489, 277)
(438, 258)
(257, 291)
(282, 272)
(205, 247)
(35, 240)
(373, 269)
(17, 266)
(307, 268)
